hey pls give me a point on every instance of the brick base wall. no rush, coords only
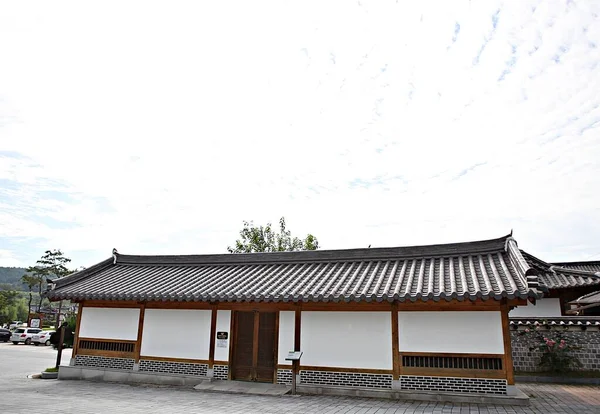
(104, 362)
(166, 367)
(525, 360)
(221, 372)
(346, 379)
(453, 384)
(284, 376)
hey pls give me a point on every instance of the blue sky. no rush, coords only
(158, 127)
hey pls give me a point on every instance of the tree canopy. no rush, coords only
(254, 239)
(52, 265)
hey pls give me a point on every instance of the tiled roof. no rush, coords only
(593, 266)
(554, 276)
(491, 269)
(556, 321)
(589, 299)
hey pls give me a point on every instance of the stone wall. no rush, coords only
(525, 360)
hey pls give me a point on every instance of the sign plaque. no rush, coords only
(222, 339)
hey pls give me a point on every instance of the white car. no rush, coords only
(15, 324)
(24, 335)
(42, 338)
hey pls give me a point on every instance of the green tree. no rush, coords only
(264, 239)
(7, 308)
(52, 265)
(31, 281)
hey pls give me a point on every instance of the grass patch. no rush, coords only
(51, 369)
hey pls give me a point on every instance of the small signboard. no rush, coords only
(293, 356)
(34, 323)
(222, 339)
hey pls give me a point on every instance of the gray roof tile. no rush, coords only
(490, 269)
(560, 276)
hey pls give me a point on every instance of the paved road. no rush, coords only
(82, 397)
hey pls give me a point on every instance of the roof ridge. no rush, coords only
(582, 262)
(381, 253)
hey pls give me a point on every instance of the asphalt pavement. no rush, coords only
(27, 395)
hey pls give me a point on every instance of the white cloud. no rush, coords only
(157, 127)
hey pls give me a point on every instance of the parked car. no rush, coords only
(15, 324)
(42, 338)
(24, 335)
(5, 335)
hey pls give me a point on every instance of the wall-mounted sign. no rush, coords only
(293, 356)
(222, 339)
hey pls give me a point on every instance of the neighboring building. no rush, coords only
(564, 282)
(588, 305)
(421, 318)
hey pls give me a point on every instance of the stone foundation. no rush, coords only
(167, 367)
(104, 362)
(453, 384)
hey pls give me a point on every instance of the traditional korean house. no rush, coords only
(421, 318)
(564, 282)
(588, 305)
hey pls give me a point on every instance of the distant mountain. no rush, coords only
(12, 276)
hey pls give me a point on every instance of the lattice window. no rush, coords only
(452, 362)
(112, 346)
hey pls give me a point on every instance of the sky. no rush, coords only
(158, 127)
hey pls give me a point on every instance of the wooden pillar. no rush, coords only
(138, 343)
(213, 334)
(255, 344)
(297, 342)
(395, 342)
(77, 325)
(297, 328)
(232, 329)
(508, 361)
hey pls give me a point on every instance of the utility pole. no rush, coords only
(60, 345)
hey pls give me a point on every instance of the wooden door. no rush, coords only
(265, 365)
(244, 339)
(254, 348)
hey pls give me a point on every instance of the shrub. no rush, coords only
(557, 352)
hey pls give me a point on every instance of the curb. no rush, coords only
(49, 375)
(557, 380)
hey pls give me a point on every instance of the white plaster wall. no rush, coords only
(547, 307)
(347, 339)
(109, 323)
(223, 325)
(452, 332)
(175, 333)
(287, 322)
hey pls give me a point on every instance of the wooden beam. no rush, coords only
(447, 372)
(123, 341)
(213, 334)
(108, 354)
(255, 344)
(138, 342)
(166, 359)
(297, 337)
(342, 369)
(232, 330)
(395, 342)
(508, 361)
(111, 304)
(77, 326)
(297, 328)
(384, 306)
(276, 347)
